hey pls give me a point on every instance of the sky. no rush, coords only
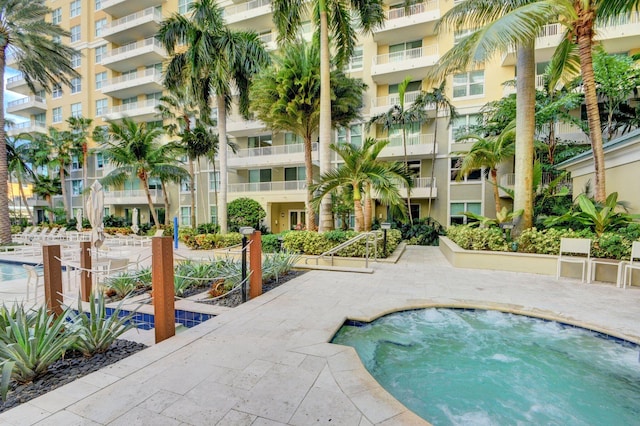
(11, 96)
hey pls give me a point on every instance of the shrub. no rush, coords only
(471, 238)
(313, 243)
(112, 221)
(212, 241)
(270, 243)
(547, 241)
(423, 232)
(278, 264)
(208, 228)
(244, 212)
(121, 231)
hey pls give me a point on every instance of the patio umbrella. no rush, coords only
(79, 221)
(134, 221)
(95, 212)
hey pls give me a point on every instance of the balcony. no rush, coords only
(621, 35)
(382, 104)
(137, 26)
(28, 106)
(423, 187)
(566, 131)
(418, 145)
(138, 111)
(548, 39)
(28, 127)
(419, 18)
(238, 127)
(270, 192)
(507, 181)
(132, 196)
(37, 201)
(18, 84)
(269, 40)
(120, 8)
(142, 53)
(268, 156)
(128, 85)
(251, 14)
(393, 67)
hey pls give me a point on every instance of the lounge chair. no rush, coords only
(634, 263)
(575, 250)
(33, 275)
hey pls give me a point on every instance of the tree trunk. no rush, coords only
(222, 151)
(496, 193)
(149, 200)
(308, 163)
(552, 142)
(406, 169)
(5, 222)
(24, 200)
(357, 208)
(192, 190)
(85, 171)
(165, 198)
(525, 126)
(433, 159)
(49, 199)
(215, 188)
(368, 209)
(63, 187)
(326, 217)
(585, 45)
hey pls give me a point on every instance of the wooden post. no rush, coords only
(52, 279)
(85, 275)
(163, 289)
(255, 264)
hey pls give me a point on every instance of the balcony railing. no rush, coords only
(406, 55)
(132, 194)
(133, 46)
(245, 7)
(273, 150)
(508, 180)
(394, 99)
(28, 126)
(134, 76)
(150, 11)
(414, 9)
(150, 103)
(292, 185)
(15, 78)
(412, 139)
(421, 182)
(26, 100)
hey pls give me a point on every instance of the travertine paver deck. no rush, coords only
(268, 362)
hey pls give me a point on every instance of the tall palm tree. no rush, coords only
(58, 148)
(437, 98)
(17, 158)
(79, 135)
(216, 61)
(399, 117)
(488, 152)
(166, 155)
(25, 33)
(286, 97)
(364, 174)
(134, 150)
(46, 187)
(335, 16)
(498, 26)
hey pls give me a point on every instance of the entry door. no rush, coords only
(297, 219)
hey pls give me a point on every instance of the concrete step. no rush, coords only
(335, 268)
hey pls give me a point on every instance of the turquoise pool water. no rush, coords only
(11, 271)
(466, 367)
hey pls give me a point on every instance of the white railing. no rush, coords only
(406, 55)
(130, 193)
(551, 30)
(151, 103)
(382, 101)
(540, 80)
(29, 125)
(157, 75)
(414, 9)
(421, 182)
(266, 38)
(134, 16)
(625, 19)
(134, 46)
(508, 180)
(412, 139)
(273, 150)
(244, 7)
(15, 78)
(292, 185)
(26, 100)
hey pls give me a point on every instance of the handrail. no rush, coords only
(372, 236)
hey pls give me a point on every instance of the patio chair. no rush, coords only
(634, 263)
(33, 275)
(577, 251)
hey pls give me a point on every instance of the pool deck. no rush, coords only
(268, 362)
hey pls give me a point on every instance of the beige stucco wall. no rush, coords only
(622, 179)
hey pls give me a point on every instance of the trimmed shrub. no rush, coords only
(547, 241)
(208, 228)
(212, 241)
(423, 232)
(244, 212)
(314, 243)
(478, 238)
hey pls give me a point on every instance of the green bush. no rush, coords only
(314, 243)
(112, 221)
(423, 232)
(212, 241)
(547, 241)
(270, 243)
(472, 238)
(208, 228)
(244, 212)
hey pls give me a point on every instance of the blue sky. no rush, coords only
(10, 96)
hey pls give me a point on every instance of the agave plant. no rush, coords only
(277, 264)
(95, 330)
(32, 342)
(11, 312)
(121, 284)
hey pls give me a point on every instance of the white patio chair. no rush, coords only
(575, 250)
(33, 275)
(634, 263)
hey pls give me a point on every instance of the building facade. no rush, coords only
(121, 66)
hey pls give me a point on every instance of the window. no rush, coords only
(40, 119)
(100, 53)
(56, 91)
(106, 211)
(76, 60)
(292, 139)
(131, 100)
(185, 185)
(98, 4)
(351, 134)
(183, 6)
(155, 183)
(260, 141)
(100, 24)
(458, 209)
(259, 175)
(404, 51)
(156, 96)
(213, 210)
(56, 39)
(75, 33)
(76, 85)
(75, 8)
(156, 124)
(99, 160)
(185, 216)
(101, 79)
(76, 110)
(459, 35)
(357, 59)
(75, 162)
(76, 187)
(413, 88)
(214, 181)
(101, 106)
(57, 115)
(295, 173)
(468, 84)
(56, 16)
(464, 124)
(472, 176)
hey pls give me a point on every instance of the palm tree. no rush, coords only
(17, 157)
(286, 97)
(134, 150)
(400, 118)
(166, 155)
(288, 16)
(79, 135)
(27, 35)
(216, 61)
(47, 187)
(363, 174)
(438, 98)
(488, 152)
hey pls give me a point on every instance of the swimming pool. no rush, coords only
(12, 271)
(484, 368)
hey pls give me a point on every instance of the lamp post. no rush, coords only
(385, 226)
(245, 231)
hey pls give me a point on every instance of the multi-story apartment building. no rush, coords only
(121, 67)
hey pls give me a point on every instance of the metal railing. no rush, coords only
(128, 193)
(406, 55)
(394, 99)
(15, 78)
(134, 16)
(244, 7)
(29, 125)
(371, 238)
(150, 103)
(273, 150)
(290, 185)
(157, 75)
(422, 182)
(26, 100)
(414, 9)
(134, 46)
(412, 139)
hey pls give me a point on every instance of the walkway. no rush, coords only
(268, 362)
